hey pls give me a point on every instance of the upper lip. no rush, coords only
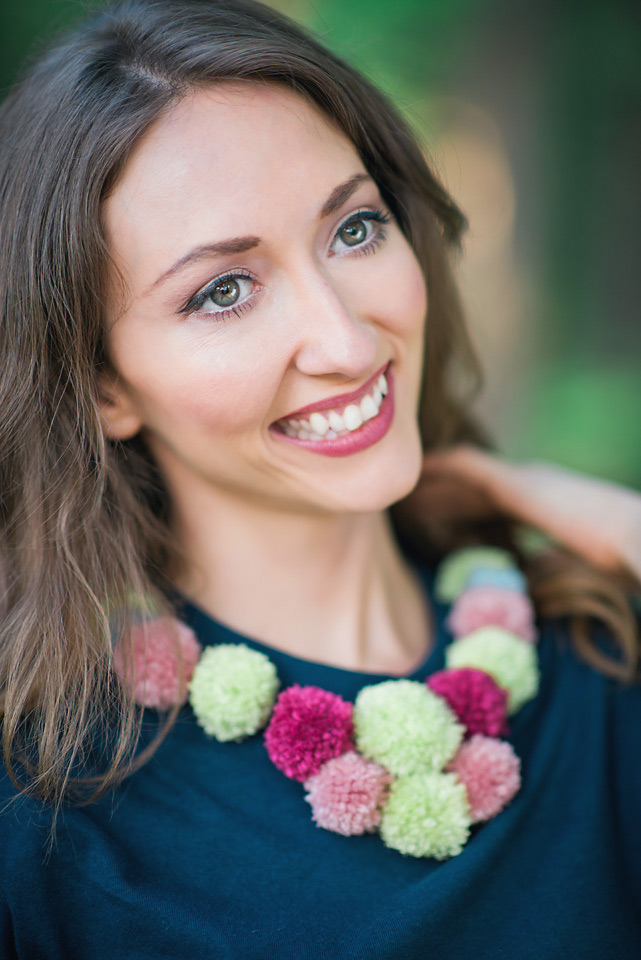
(341, 399)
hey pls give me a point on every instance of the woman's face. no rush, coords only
(264, 274)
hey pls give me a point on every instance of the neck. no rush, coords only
(334, 589)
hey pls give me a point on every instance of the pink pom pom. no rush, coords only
(347, 794)
(308, 727)
(475, 697)
(491, 772)
(486, 606)
(160, 663)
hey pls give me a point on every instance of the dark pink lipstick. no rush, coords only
(364, 436)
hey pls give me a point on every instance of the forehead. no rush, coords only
(228, 159)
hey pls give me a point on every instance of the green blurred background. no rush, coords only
(531, 113)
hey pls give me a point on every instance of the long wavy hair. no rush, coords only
(86, 522)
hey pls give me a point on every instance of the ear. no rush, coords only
(120, 419)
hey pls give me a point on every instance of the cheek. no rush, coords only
(194, 379)
(398, 293)
(415, 292)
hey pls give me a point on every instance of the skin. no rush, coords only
(597, 519)
(303, 537)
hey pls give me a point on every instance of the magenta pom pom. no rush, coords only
(347, 794)
(486, 606)
(491, 772)
(475, 697)
(308, 727)
(160, 662)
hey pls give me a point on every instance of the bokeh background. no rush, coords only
(531, 113)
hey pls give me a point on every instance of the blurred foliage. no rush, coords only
(562, 83)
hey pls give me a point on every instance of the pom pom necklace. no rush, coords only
(417, 762)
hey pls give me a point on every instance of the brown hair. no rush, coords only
(84, 522)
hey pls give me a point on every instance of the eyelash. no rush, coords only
(196, 302)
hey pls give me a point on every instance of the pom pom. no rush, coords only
(159, 664)
(233, 690)
(492, 606)
(406, 727)
(511, 660)
(454, 570)
(426, 815)
(491, 773)
(475, 697)
(347, 793)
(308, 727)
(505, 579)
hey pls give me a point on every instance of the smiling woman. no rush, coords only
(231, 343)
(298, 291)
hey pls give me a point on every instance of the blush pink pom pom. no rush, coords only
(491, 772)
(347, 794)
(308, 727)
(475, 697)
(492, 606)
(164, 653)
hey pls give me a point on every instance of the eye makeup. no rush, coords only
(199, 299)
(371, 215)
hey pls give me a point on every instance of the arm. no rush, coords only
(597, 519)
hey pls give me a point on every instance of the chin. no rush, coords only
(385, 480)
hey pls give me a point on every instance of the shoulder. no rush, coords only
(25, 833)
(597, 717)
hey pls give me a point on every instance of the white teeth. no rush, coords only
(319, 424)
(329, 425)
(369, 408)
(336, 422)
(352, 417)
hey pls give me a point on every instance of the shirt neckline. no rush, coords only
(211, 631)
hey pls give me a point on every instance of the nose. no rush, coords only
(329, 336)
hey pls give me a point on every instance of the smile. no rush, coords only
(343, 428)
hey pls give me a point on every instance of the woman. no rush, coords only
(226, 297)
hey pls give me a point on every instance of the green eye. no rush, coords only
(225, 293)
(353, 233)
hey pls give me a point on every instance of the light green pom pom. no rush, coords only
(454, 571)
(426, 815)
(232, 690)
(405, 727)
(511, 660)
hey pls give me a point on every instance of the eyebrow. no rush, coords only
(334, 202)
(341, 194)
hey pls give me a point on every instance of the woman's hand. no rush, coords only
(597, 519)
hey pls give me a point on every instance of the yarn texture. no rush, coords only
(232, 691)
(455, 569)
(486, 606)
(491, 773)
(417, 761)
(308, 726)
(511, 660)
(347, 794)
(489, 577)
(159, 663)
(427, 815)
(406, 727)
(475, 697)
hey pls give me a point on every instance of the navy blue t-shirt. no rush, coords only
(208, 851)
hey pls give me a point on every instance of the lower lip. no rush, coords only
(370, 433)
